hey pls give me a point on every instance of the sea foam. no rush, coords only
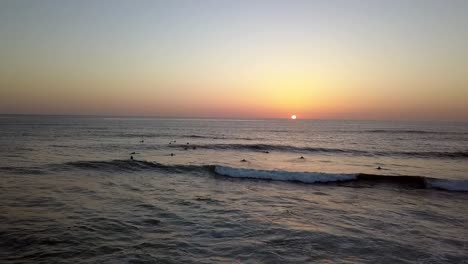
(448, 185)
(277, 175)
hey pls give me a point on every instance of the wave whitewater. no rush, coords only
(243, 173)
(320, 177)
(304, 177)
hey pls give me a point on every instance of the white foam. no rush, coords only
(277, 175)
(449, 185)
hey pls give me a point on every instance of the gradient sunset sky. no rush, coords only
(250, 59)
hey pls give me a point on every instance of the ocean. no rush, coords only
(155, 190)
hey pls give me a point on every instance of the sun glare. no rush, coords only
(293, 117)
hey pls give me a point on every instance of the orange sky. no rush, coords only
(260, 59)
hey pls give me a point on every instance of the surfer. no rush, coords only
(131, 157)
(302, 157)
(243, 160)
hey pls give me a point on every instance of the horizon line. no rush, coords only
(225, 118)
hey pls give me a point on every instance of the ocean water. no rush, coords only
(308, 191)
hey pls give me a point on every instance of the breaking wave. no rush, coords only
(304, 177)
(114, 166)
(320, 177)
(449, 185)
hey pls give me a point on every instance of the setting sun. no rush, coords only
(293, 117)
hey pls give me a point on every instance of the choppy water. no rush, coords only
(70, 193)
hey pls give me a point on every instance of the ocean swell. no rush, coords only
(289, 148)
(129, 166)
(409, 131)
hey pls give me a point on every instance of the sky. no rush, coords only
(251, 59)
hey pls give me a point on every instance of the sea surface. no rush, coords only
(232, 191)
